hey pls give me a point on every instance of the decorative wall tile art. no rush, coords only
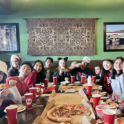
(61, 36)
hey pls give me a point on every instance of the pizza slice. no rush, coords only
(119, 120)
(4, 86)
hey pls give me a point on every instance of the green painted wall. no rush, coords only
(105, 11)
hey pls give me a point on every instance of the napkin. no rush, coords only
(81, 92)
(85, 104)
(85, 120)
(14, 95)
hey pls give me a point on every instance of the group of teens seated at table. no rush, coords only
(22, 75)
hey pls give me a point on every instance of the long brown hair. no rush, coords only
(105, 71)
(65, 64)
(114, 72)
(11, 67)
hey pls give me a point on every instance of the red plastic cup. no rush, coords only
(38, 89)
(94, 79)
(82, 79)
(89, 90)
(109, 116)
(72, 79)
(55, 80)
(28, 100)
(12, 114)
(33, 90)
(46, 83)
(99, 109)
(96, 99)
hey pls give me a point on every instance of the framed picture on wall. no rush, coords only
(9, 38)
(113, 36)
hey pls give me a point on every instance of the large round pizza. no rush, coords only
(62, 113)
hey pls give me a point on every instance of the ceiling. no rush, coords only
(5, 7)
(15, 6)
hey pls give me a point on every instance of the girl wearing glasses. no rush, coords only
(117, 79)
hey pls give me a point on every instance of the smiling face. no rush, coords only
(15, 63)
(61, 63)
(107, 65)
(1, 75)
(38, 67)
(25, 70)
(117, 65)
(97, 70)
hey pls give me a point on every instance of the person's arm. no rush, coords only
(121, 82)
(73, 67)
(31, 79)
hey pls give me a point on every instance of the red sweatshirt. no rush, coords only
(107, 83)
(31, 79)
(22, 87)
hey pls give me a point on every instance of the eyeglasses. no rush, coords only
(122, 66)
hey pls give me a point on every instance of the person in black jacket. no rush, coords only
(81, 69)
(61, 72)
(15, 62)
(48, 69)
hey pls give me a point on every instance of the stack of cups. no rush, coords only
(89, 80)
(38, 89)
(109, 116)
(28, 100)
(12, 114)
(33, 90)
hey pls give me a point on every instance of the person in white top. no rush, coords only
(120, 101)
(7, 95)
(117, 80)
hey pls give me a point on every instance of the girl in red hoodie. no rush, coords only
(106, 75)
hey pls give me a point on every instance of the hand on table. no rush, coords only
(115, 97)
(66, 78)
(23, 98)
(97, 80)
(121, 103)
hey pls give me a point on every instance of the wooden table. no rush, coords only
(28, 116)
